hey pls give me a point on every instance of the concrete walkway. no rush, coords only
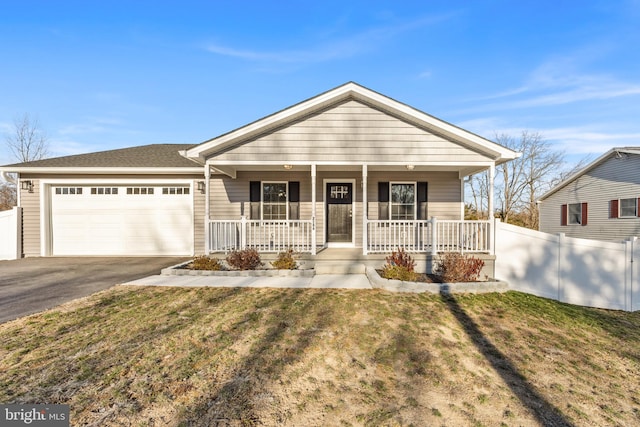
(319, 281)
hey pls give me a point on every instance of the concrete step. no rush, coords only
(339, 267)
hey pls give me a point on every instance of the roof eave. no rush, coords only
(105, 170)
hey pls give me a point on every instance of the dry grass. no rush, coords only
(202, 357)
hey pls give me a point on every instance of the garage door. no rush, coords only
(122, 220)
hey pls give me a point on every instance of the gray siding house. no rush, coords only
(347, 168)
(601, 201)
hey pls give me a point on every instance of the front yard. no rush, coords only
(149, 356)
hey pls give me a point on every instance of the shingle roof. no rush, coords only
(145, 156)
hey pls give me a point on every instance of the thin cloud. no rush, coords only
(347, 47)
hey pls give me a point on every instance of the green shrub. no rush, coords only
(400, 266)
(203, 262)
(246, 259)
(455, 267)
(399, 273)
(286, 261)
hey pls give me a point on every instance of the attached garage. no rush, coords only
(121, 219)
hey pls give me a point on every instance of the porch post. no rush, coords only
(313, 209)
(365, 226)
(207, 208)
(492, 172)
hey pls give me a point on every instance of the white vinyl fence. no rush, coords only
(11, 234)
(577, 271)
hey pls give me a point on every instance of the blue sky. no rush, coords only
(108, 74)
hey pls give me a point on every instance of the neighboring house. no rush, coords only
(296, 178)
(601, 201)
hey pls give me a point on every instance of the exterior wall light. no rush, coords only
(27, 185)
(410, 167)
(288, 167)
(201, 187)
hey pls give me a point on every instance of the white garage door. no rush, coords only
(122, 220)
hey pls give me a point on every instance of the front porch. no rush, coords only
(380, 236)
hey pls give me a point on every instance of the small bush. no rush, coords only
(203, 262)
(455, 267)
(398, 273)
(246, 259)
(400, 266)
(286, 261)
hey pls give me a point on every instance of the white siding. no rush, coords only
(616, 178)
(350, 132)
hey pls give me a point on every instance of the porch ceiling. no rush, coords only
(462, 170)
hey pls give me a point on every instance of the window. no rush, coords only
(140, 190)
(104, 190)
(575, 213)
(628, 208)
(403, 201)
(68, 190)
(175, 190)
(274, 200)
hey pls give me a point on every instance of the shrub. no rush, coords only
(400, 266)
(401, 259)
(246, 259)
(398, 273)
(455, 267)
(286, 261)
(203, 262)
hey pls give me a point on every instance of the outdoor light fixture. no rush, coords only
(201, 187)
(27, 185)
(288, 167)
(410, 167)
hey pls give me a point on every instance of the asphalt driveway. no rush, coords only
(31, 285)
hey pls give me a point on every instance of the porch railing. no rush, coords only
(384, 236)
(264, 236)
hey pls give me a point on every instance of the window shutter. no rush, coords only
(422, 199)
(584, 214)
(563, 215)
(638, 208)
(613, 209)
(294, 200)
(254, 199)
(383, 200)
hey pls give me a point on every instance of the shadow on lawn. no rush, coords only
(543, 411)
(283, 344)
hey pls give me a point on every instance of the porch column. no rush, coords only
(313, 209)
(492, 173)
(207, 208)
(365, 226)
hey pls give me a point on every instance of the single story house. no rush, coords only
(347, 168)
(601, 201)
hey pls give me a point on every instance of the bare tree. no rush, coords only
(27, 142)
(8, 196)
(520, 182)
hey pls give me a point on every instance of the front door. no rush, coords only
(339, 212)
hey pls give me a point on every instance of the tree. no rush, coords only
(27, 143)
(519, 182)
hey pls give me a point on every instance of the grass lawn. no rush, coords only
(205, 357)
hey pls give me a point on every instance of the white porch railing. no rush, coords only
(431, 236)
(428, 236)
(264, 236)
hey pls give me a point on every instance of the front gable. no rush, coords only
(352, 125)
(350, 131)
